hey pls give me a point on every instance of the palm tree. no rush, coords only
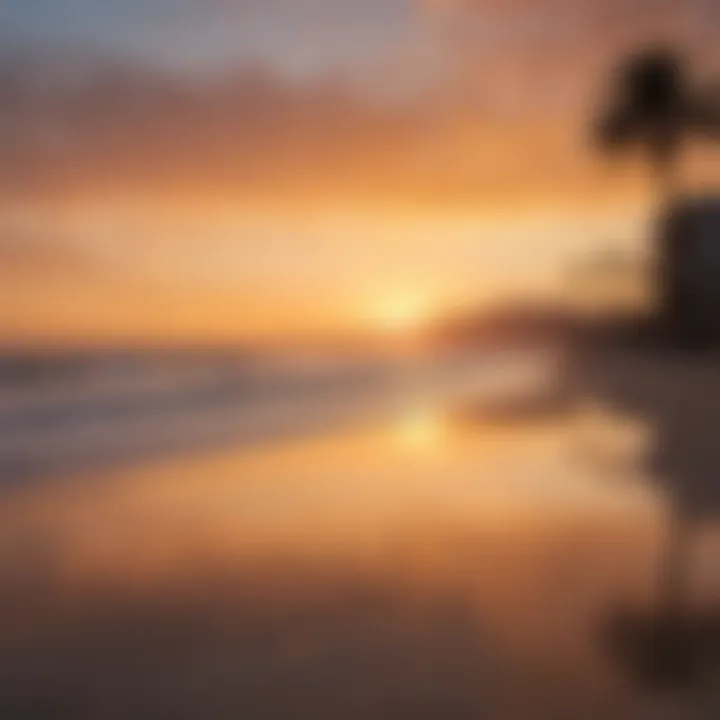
(655, 106)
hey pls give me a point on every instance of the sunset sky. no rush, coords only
(223, 169)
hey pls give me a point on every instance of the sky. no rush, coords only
(224, 169)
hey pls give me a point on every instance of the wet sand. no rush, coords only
(422, 567)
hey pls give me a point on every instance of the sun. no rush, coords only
(420, 428)
(402, 313)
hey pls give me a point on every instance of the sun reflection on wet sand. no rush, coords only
(477, 570)
(421, 428)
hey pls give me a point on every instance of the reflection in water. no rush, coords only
(675, 643)
(421, 428)
(337, 577)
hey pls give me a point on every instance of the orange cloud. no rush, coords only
(255, 134)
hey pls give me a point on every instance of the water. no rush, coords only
(394, 555)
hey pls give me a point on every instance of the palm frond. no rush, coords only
(617, 129)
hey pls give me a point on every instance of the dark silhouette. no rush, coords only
(655, 105)
(688, 272)
(678, 395)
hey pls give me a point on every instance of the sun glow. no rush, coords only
(421, 428)
(402, 313)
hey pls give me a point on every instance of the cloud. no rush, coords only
(95, 127)
(32, 255)
(116, 126)
(514, 82)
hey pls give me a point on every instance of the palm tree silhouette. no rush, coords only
(655, 106)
